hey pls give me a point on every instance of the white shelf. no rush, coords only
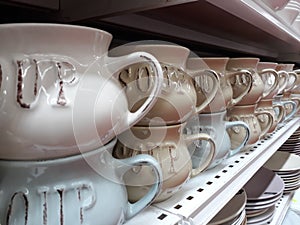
(257, 29)
(258, 14)
(261, 16)
(202, 197)
(103, 8)
(281, 209)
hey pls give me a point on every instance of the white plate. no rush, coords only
(231, 210)
(291, 180)
(266, 215)
(240, 219)
(251, 213)
(264, 185)
(288, 190)
(265, 202)
(283, 161)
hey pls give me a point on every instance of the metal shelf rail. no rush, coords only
(203, 196)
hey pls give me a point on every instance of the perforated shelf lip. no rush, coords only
(281, 209)
(202, 197)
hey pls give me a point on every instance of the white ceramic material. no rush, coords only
(262, 218)
(184, 93)
(60, 92)
(276, 110)
(82, 189)
(215, 125)
(169, 146)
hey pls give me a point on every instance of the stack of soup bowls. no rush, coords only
(295, 91)
(211, 120)
(270, 78)
(146, 116)
(160, 133)
(246, 109)
(288, 80)
(61, 108)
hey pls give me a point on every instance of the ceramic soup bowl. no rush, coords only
(215, 125)
(257, 89)
(169, 146)
(249, 115)
(224, 96)
(81, 189)
(59, 91)
(183, 93)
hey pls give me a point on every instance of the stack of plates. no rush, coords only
(233, 212)
(287, 166)
(263, 191)
(292, 145)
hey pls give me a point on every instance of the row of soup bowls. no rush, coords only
(170, 112)
(217, 125)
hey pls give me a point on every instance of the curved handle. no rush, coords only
(215, 86)
(269, 124)
(238, 98)
(297, 100)
(116, 64)
(212, 151)
(291, 84)
(281, 112)
(283, 78)
(142, 160)
(297, 72)
(293, 112)
(274, 85)
(230, 124)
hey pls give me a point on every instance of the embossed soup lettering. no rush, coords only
(202, 83)
(43, 76)
(58, 206)
(139, 75)
(18, 206)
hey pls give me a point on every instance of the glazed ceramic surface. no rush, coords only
(270, 78)
(168, 145)
(182, 91)
(59, 91)
(224, 97)
(82, 189)
(215, 125)
(291, 76)
(257, 89)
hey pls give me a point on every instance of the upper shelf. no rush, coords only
(239, 26)
(224, 28)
